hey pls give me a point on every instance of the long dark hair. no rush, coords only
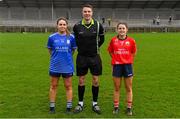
(64, 19)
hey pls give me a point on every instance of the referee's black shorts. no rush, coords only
(83, 63)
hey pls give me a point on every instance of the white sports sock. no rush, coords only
(81, 103)
(52, 104)
(94, 103)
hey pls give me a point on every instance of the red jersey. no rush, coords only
(122, 51)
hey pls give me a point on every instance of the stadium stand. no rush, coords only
(35, 15)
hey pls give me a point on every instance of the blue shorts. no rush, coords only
(64, 75)
(122, 70)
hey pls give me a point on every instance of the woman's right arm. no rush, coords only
(50, 51)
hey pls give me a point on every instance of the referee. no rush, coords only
(89, 35)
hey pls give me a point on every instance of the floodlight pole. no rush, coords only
(52, 9)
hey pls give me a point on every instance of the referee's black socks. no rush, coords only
(81, 90)
(95, 92)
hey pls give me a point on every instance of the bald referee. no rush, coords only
(89, 35)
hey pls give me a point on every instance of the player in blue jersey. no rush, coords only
(61, 46)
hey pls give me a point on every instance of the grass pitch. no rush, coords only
(24, 80)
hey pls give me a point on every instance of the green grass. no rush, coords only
(24, 80)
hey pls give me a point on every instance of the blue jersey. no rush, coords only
(61, 56)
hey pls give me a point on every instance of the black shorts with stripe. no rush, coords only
(83, 63)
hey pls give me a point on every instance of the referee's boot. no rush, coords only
(96, 109)
(78, 109)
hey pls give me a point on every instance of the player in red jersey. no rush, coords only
(122, 50)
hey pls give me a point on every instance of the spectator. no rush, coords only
(170, 19)
(109, 21)
(103, 20)
(158, 20)
(154, 21)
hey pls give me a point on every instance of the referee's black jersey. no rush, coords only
(86, 37)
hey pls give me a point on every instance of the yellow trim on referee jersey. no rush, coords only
(84, 23)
